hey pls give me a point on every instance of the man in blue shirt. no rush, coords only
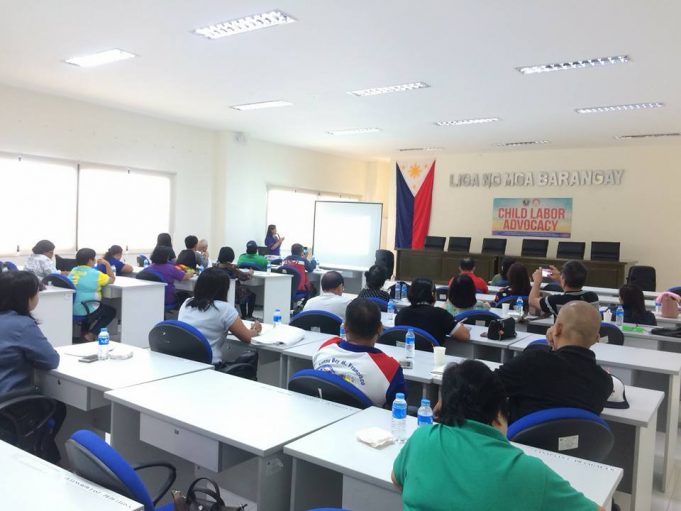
(298, 257)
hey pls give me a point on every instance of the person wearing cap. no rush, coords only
(41, 261)
(331, 299)
(563, 373)
(243, 296)
(252, 257)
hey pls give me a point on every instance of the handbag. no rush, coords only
(501, 329)
(202, 499)
(669, 332)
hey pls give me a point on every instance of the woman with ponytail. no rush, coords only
(114, 256)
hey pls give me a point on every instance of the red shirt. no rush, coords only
(480, 284)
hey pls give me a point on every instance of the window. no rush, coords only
(292, 211)
(126, 208)
(39, 203)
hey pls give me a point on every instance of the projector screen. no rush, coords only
(347, 233)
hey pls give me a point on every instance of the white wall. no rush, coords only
(42, 125)
(641, 213)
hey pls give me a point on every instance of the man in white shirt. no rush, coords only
(331, 299)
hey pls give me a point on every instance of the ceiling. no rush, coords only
(465, 50)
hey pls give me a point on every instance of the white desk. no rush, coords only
(231, 427)
(610, 291)
(480, 347)
(331, 468)
(189, 285)
(29, 483)
(353, 276)
(139, 305)
(273, 291)
(54, 314)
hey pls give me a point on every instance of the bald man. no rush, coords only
(564, 373)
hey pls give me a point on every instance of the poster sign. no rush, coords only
(541, 217)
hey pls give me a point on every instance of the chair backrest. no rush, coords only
(571, 250)
(180, 339)
(24, 419)
(614, 334)
(64, 264)
(383, 304)
(471, 317)
(150, 275)
(95, 460)
(643, 277)
(141, 258)
(534, 248)
(434, 243)
(510, 300)
(676, 290)
(605, 251)
(295, 280)
(543, 342)
(391, 289)
(327, 322)
(299, 268)
(424, 341)
(546, 429)
(493, 246)
(8, 266)
(250, 266)
(386, 259)
(59, 280)
(458, 244)
(328, 386)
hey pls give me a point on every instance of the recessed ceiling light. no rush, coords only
(647, 135)
(261, 105)
(421, 149)
(102, 57)
(354, 131)
(576, 64)
(390, 89)
(462, 122)
(523, 143)
(618, 108)
(245, 24)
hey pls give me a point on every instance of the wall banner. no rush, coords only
(541, 217)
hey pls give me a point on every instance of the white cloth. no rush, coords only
(213, 323)
(40, 265)
(329, 302)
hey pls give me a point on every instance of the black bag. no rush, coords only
(244, 366)
(669, 332)
(203, 499)
(501, 329)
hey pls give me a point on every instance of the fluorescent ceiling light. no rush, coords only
(462, 122)
(523, 143)
(576, 64)
(102, 57)
(647, 135)
(261, 105)
(245, 24)
(618, 108)
(422, 149)
(354, 131)
(390, 89)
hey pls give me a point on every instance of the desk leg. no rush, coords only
(277, 295)
(361, 495)
(644, 461)
(671, 430)
(283, 375)
(141, 309)
(274, 482)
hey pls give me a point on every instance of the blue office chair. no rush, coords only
(328, 386)
(424, 340)
(472, 316)
(675, 290)
(441, 293)
(180, 339)
(296, 295)
(95, 460)
(510, 300)
(327, 322)
(26, 419)
(613, 333)
(538, 342)
(151, 275)
(545, 429)
(250, 266)
(383, 304)
(59, 280)
(8, 266)
(141, 259)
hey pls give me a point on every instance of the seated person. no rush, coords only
(243, 296)
(467, 267)
(273, 241)
(434, 320)
(209, 312)
(571, 278)
(501, 278)
(89, 282)
(298, 260)
(518, 283)
(114, 256)
(461, 296)
(375, 278)
(189, 256)
(634, 305)
(164, 240)
(357, 360)
(564, 375)
(41, 261)
(331, 299)
(468, 454)
(202, 255)
(252, 257)
(160, 263)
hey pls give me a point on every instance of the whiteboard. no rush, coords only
(347, 233)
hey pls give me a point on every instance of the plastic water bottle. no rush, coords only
(342, 332)
(391, 310)
(146, 262)
(403, 291)
(658, 308)
(398, 425)
(519, 307)
(398, 291)
(199, 269)
(113, 270)
(425, 413)
(277, 318)
(410, 344)
(103, 344)
(269, 267)
(619, 316)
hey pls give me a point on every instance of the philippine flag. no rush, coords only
(414, 201)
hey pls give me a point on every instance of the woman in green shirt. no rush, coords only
(465, 463)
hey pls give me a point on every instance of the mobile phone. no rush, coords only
(88, 359)
(545, 272)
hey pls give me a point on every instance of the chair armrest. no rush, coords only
(172, 474)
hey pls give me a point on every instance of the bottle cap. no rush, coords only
(399, 395)
(425, 402)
